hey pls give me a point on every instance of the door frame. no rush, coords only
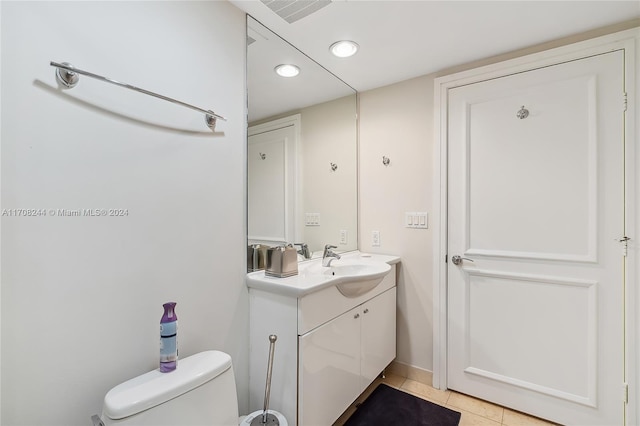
(629, 41)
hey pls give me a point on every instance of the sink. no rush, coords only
(354, 274)
(355, 278)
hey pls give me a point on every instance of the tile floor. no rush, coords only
(475, 412)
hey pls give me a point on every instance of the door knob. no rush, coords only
(457, 260)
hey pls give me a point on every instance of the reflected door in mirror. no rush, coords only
(271, 186)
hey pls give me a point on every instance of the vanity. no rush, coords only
(336, 329)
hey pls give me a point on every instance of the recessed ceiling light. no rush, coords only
(344, 48)
(287, 70)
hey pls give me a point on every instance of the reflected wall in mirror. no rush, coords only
(302, 149)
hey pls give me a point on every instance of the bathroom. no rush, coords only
(82, 296)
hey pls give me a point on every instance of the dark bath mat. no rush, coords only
(388, 406)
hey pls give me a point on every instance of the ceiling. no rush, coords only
(404, 39)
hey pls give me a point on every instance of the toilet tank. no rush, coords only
(201, 391)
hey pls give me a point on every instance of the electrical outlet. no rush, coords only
(375, 238)
(343, 237)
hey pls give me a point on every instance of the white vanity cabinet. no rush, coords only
(339, 359)
(329, 348)
(377, 336)
(329, 369)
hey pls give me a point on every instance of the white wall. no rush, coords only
(82, 296)
(397, 122)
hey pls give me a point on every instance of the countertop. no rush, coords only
(305, 283)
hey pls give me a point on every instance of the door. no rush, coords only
(271, 186)
(536, 187)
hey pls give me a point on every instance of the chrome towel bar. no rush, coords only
(67, 75)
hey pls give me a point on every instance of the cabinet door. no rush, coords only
(329, 369)
(378, 335)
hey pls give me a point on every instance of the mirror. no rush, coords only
(302, 149)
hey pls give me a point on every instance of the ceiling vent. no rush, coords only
(293, 10)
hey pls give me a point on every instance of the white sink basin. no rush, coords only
(354, 278)
(353, 275)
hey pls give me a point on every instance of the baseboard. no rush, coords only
(411, 372)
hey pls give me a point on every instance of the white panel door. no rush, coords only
(271, 186)
(535, 316)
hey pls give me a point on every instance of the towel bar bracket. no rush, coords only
(66, 77)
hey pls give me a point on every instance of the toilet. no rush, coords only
(201, 391)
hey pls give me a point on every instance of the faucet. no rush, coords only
(304, 250)
(329, 256)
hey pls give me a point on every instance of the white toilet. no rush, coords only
(201, 391)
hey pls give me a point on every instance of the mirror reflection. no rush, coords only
(302, 150)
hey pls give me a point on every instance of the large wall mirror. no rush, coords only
(302, 149)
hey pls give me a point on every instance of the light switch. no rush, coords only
(343, 237)
(416, 219)
(312, 219)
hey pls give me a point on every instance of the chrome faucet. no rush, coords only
(304, 250)
(329, 256)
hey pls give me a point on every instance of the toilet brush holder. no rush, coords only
(268, 417)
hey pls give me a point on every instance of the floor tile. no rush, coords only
(475, 406)
(397, 369)
(471, 419)
(393, 380)
(425, 391)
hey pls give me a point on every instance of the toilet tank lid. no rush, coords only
(154, 388)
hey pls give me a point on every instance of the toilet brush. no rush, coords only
(267, 418)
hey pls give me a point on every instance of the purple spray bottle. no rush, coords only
(168, 338)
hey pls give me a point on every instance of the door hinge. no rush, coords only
(446, 258)
(625, 393)
(625, 245)
(624, 101)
